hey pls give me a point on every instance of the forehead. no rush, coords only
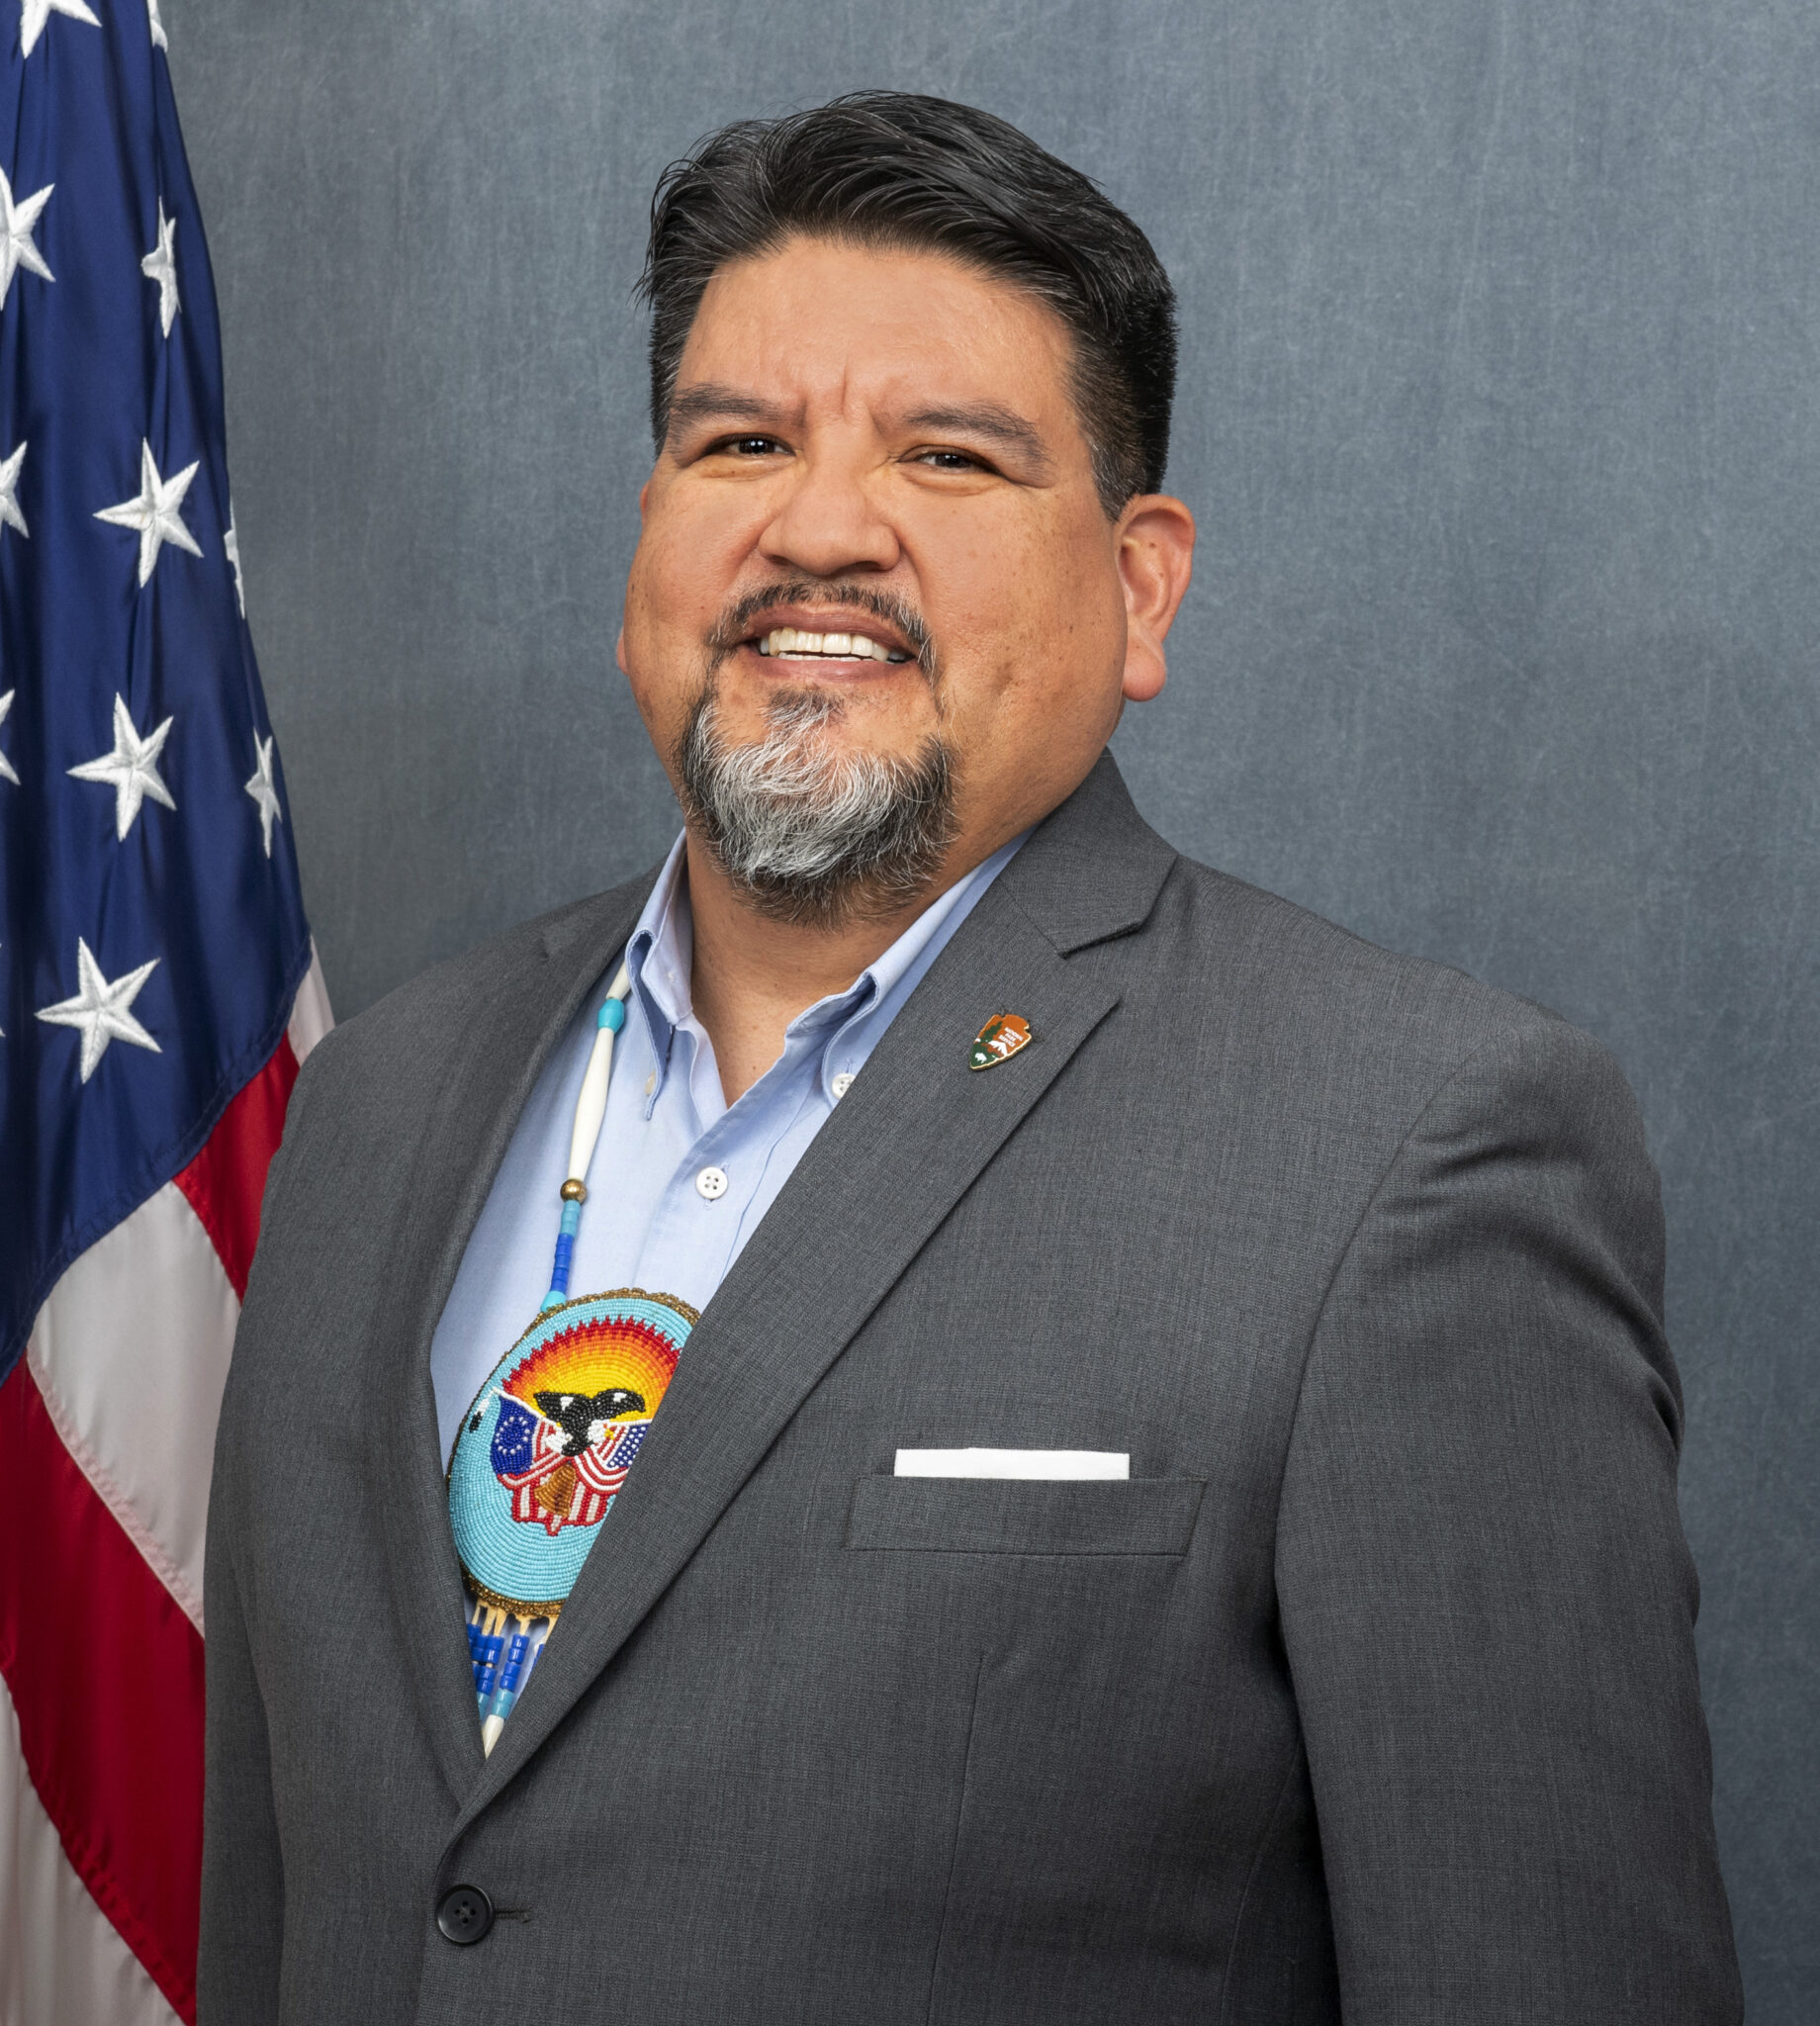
(824, 323)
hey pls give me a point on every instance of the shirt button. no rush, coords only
(711, 1184)
(842, 1083)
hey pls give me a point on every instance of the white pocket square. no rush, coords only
(1038, 1463)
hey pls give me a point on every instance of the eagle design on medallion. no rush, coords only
(564, 1463)
(544, 1451)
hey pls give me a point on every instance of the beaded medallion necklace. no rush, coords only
(545, 1444)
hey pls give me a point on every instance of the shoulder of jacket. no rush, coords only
(428, 1013)
(1298, 965)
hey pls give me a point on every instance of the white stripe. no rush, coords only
(131, 1354)
(1024, 1463)
(311, 1017)
(62, 1962)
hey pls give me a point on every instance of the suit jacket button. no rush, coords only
(464, 1915)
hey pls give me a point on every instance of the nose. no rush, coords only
(830, 523)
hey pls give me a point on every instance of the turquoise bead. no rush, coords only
(612, 1015)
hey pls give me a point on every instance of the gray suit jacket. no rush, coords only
(1371, 1694)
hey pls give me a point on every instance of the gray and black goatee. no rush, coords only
(809, 835)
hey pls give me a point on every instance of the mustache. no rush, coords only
(734, 624)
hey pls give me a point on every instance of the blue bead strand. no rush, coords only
(510, 1673)
(565, 1256)
(485, 1667)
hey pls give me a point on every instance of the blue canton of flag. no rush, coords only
(151, 929)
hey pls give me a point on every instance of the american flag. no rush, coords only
(600, 1471)
(156, 991)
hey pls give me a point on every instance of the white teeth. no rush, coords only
(830, 646)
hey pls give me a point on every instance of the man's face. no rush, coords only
(884, 446)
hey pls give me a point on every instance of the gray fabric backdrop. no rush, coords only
(1498, 412)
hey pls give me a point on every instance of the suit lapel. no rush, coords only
(509, 1039)
(916, 1130)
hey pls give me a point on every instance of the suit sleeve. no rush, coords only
(1486, 1601)
(243, 1870)
(241, 1944)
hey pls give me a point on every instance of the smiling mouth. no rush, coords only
(791, 643)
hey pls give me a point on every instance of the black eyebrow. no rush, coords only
(712, 401)
(988, 418)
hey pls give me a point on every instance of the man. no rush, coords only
(1093, 1448)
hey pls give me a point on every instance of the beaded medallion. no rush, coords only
(549, 1437)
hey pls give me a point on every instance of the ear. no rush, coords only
(1155, 539)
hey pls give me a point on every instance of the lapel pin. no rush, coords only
(999, 1039)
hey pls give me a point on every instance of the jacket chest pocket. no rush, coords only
(972, 1516)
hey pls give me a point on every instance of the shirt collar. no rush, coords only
(662, 949)
(661, 953)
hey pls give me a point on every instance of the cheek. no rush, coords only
(1050, 621)
(660, 670)
(659, 589)
(671, 602)
(684, 568)
(640, 609)
(1064, 566)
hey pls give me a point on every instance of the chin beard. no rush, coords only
(811, 836)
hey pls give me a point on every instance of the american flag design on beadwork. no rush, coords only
(545, 1447)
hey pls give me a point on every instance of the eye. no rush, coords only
(744, 446)
(949, 460)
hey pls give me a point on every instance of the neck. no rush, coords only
(752, 975)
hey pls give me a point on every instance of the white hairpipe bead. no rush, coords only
(591, 1105)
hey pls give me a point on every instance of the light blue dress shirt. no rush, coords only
(647, 1223)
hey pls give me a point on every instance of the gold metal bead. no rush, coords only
(574, 1192)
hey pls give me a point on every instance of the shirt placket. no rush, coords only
(703, 1212)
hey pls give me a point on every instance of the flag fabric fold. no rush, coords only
(158, 992)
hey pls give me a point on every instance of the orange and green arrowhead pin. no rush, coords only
(999, 1039)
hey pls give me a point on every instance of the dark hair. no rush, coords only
(888, 168)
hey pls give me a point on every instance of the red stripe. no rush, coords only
(106, 1674)
(225, 1182)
